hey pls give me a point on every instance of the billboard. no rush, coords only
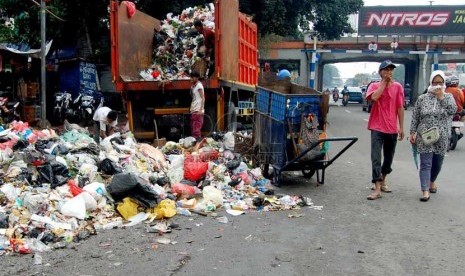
(411, 20)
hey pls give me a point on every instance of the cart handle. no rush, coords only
(352, 140)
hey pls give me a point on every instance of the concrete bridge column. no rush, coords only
(424, 71)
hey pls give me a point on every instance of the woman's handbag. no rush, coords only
(430, 136)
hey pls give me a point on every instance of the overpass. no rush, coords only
(419, 54)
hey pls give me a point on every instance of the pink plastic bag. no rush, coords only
(183, 190)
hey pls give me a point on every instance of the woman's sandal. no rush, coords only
(424, 199)
(433, 190)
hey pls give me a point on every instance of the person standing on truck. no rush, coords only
(105, 121)
(386, 124)
(197, 105)
(208, 41)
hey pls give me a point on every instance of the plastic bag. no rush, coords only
(176, 168)
(74, 207)
(73, 188)
(128, 185)
(108, 167)
(208, 154)
(184, 190)
(54, 173)
(96, 189)
(194, 170)
(166, 209)
(127, 208)
(213, 195)
(228, 141)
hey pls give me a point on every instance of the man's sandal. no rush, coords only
(384, 189)
(374, 196)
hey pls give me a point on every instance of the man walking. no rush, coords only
(386, 124)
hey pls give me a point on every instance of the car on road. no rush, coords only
(355, 94)
(366, 106)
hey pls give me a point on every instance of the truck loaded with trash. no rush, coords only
(59, 186)
(152, 60)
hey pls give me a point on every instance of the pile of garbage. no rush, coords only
(58, 189)
(177, 46)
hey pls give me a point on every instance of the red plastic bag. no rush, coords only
(194, 170)
(73, 188)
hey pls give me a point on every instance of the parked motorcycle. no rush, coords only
(8, 110)
(62, 109)
(86, 107)
(456, 133)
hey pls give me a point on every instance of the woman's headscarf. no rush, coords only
(433, 75)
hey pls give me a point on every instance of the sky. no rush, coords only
(348, 70)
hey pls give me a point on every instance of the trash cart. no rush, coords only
(282, 123)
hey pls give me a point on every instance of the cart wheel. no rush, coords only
(277, 177)
(308, 173)
(265, 170)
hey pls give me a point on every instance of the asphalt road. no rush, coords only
(395, 235)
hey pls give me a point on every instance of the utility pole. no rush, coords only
(43, 80)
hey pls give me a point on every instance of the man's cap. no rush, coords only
(386, 64)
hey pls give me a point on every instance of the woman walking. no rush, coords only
(430, 130)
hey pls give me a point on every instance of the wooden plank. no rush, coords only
(229, 45)
(134, 42)
(167, 111)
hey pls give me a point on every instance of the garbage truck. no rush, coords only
(167, 102)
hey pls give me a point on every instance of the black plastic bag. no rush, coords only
(108, 167)
(54, 173)
(128, 185)
(21, 144)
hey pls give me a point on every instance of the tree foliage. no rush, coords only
(331, 76)
(89, 18)
(71, 20)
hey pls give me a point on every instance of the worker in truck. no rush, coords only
(105, 121)
(197, 105)
(208, 41)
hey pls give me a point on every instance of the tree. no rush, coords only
(399, 73)
(66, 22)
(361, 79)
(286, 17)
(88, 19)
(331, 76)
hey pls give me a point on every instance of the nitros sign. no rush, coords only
(413, 20)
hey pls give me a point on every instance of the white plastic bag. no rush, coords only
(213, 195)
(96, 189)
(74, 207)
(228, 141)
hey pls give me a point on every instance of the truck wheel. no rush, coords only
(231, 118)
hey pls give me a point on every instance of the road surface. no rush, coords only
(395, 235)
